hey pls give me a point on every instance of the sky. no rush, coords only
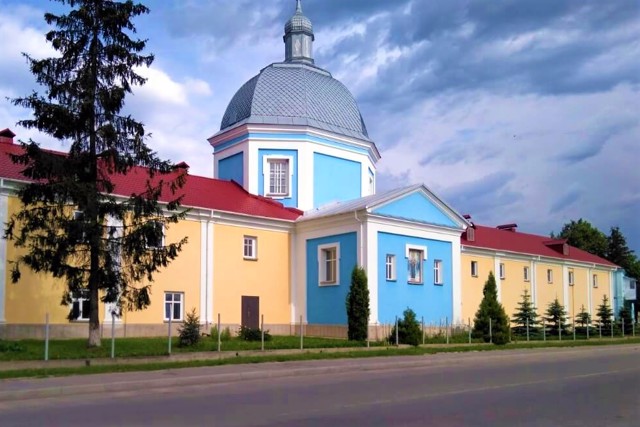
(512, 111)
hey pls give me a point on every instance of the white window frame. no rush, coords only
(250, 247)
(503, 271)
(474, 268)
(437, 272)
(161, 239)
(267, 161)
(169, 298)
(595, 280)
(323, 280)
(526, 274)
(82, 298)
(390, 267)
(409, 249)
(571, 277)
(549, 275)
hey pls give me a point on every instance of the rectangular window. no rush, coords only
(571, 278)
(80, 305)
(173, 308)
(549, 275)
(250, 247)
(525, 273)
(77, 229)
(502, 271)
(390, 267)
(329, 264)
(595, 280)
(278, 177)
(632, 285)
(416, 258)
(154, 234)
(437, 272)
(474, 268)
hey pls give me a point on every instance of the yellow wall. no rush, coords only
(547, 292)
(604, 288)
(472, 286)
(181, 275)
(267, 277)
(513, 285)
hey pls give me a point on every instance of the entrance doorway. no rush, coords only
(251, 312)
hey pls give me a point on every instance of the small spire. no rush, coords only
(299, 7)
(298, 37)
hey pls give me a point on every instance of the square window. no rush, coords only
(250, 247)
(437, 272)
(154, 234)
(390, 267)
(595, 280)
(415, 260)
(173, 306)
(328, 264)
(632, 285)
(502, 270)
(571, 278)
(525, 274)
(80, 305)
(278, 179)
(474, 268)
(549, 275)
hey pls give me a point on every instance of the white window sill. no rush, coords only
(328, 284)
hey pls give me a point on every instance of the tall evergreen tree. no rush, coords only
(624, 318)
(111, 244)
(358, 305)
(525, 316)
(556, 318)
(618, 252)
(490, 308)
(604, 313)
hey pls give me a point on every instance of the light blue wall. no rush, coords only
(618, 291)
(287, 201)
(434, 302)
(326, 304)
(232, 168)
(416, 207)
(335, 179)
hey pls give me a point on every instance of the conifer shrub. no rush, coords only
(556, 318)
(358, 306)
(491, 322)
(189, 332)
(251, 334)
(525, 316)
(409, 331)
(624, 318)
(604, 313)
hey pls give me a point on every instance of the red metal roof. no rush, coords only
(527, 244)
(198, 191)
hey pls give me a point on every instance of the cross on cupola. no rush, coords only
(298, 37)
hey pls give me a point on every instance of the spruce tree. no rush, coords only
(490, 308)
(624, 318)
(604, 313)
(556, 318)
(583, 319)
(409, 331)
(358, 305)
(525, 315)
(111, 244)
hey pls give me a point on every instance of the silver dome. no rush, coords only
(296, 94)
(298, 22)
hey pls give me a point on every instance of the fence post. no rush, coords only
(301, 334)
(560, 325)
(612, 320)
(46, 337)
(262, 331)
(219, 335)
(574, 330)
(622, 319)
(527, 329)
(588, 327)
(113, 335)
(422, 330)
(544, 331)
(397, 343)
(490, 332)
(446, 328)
(600, 329)
(469, 330)
(170, 316)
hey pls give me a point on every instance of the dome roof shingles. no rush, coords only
(298, 94)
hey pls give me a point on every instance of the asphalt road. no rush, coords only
(551, 387)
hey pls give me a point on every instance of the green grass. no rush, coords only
(141, 347)
(302, 356)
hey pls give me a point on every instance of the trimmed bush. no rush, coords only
(409, 331)
(497, 330)
(358, 305)
(250, 334)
